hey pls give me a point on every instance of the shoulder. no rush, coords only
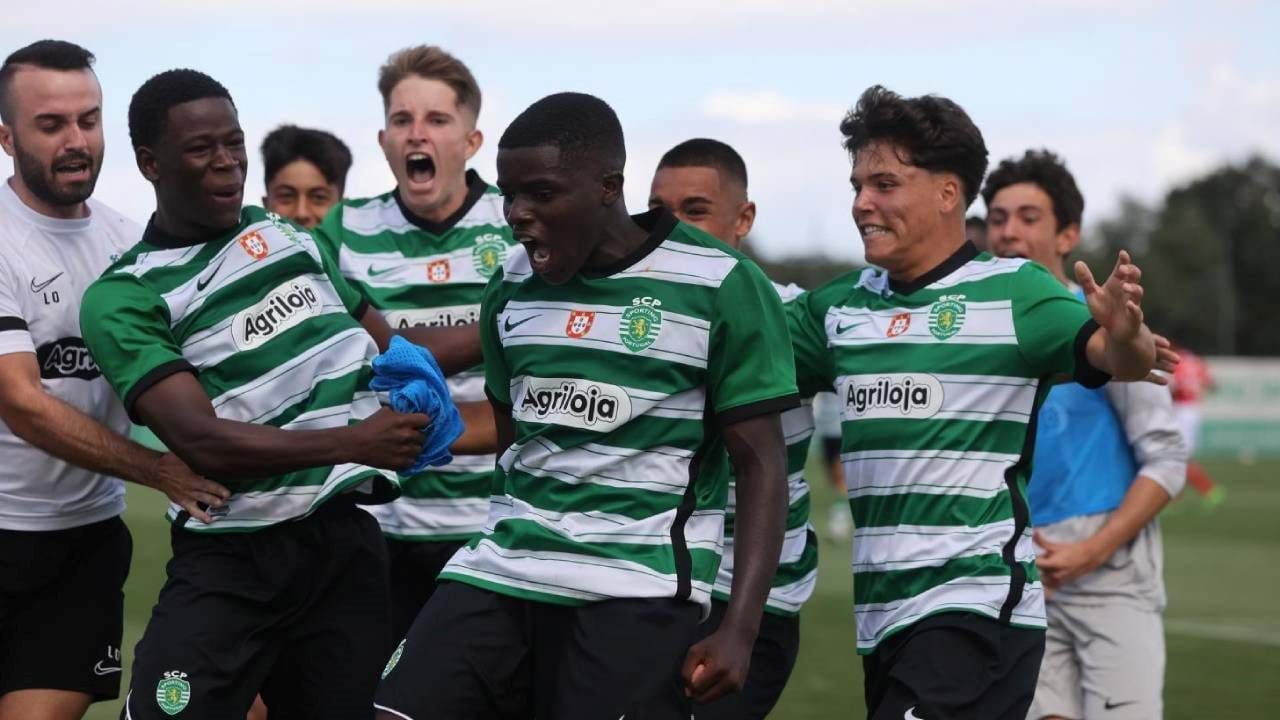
(701, 259)
(367, 216)
(843, 287)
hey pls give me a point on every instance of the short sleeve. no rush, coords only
(126, 328)
(497, 376)
(14, 334)
(1053, 327)
(327, 245)
(814, 373)
(750, 366)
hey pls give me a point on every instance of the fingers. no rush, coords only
(1085, 277)
(212, 489)
(1156, 378)
(193, 509)
(692, 668)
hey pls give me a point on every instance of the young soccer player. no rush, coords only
(234, 339)
(1107, 461)
(623, 357)
(941, 357)
(306, 171)
(422, 254)
(703, 182)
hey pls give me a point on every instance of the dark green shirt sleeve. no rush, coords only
(1052, 327)
(126, 328)
(814, 368)
(750, 367)
(497, 376)
(327, 245)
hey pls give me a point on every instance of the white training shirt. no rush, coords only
(45, 266)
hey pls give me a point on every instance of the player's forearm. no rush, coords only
(1128, 360)
(1144, 500)
(479, 435)
(455, 348)
(758, 528)
(227, 450)
(68, 434)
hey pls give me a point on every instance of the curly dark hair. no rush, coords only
(149, 108)
(323, 149)
(929, 131)
(1047, 171)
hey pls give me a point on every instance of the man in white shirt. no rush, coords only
(64, 551)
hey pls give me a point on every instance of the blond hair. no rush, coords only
(432, 63)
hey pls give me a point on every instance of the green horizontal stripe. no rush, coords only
(247, 290)
(641, 372)
(642, 433)
(797, 516)
(893, 585)
(793, 572)
(550, 494)
(248, 366)
(693, 300)
(924, 509)
(331, 393)
(954, 358)
(519, 534)
(447, 485)
(418, 297)
(997, 436)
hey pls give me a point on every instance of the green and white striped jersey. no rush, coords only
(619, 383)
(268, 327)
(432, 274)
(939, 382)
(798, 562)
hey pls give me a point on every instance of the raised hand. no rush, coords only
(1117, 304)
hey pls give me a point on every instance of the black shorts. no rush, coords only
(414, 567)
(954, 665)
(297, 611)
(62, 608)
(476, 654)
(772, 658)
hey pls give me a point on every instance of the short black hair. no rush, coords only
(580, 125)
(934, 133)
(975, 221)
(149, 108)
(287, 143)
(705, 152)
(47, 54)
(1048, 172)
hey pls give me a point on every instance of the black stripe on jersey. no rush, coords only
(1021, 518)
(12, 323)
(762, 407)
(1086, 374)
(153, 376)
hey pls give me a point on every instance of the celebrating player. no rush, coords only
(306, 171)
(422, 254)
(64, 552)
(704, 183)
(236, 341)
(623, 356)
(941, 359)
(1107, 461)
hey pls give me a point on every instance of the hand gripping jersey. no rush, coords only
(939, 383)
(45, 265)
(421, 273)
(268, 327)
(798, 563)
(619, 383)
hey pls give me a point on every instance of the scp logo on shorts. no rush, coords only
(254, 244)
(915, 396)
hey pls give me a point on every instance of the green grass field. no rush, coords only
(1222, 624)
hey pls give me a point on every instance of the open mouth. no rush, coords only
(869, 231)
(420, 167)
(227, 194)
(72, 168)
(539, 254)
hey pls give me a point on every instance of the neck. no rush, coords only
(450, 202)
(179, 228)
(620, 237)
(60, 212)
(936, 251)
(1059, 270)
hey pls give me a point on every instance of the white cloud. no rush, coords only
(762, 107)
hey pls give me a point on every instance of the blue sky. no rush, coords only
(1136, 96)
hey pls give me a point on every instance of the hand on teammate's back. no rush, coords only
(718, 665)
(190, 491)
(390, 440)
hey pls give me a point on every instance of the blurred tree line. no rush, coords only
(1209, 251)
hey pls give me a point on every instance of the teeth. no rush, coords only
(417, 156)
(541, 255)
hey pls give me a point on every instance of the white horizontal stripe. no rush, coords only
(148, 261)
(793, 545)
(431, 516)
(797, 490)
(657, 469)
(975, 270)
(680, 338)
(395, 270)
(906, 547)
(384, 215)
(922, 396)
(984, 323)
(704, 529)
(930, 472)
(984, 595)
(685, 264)
(797, 423)
(789, 292)
(363, 404)
(255, 509)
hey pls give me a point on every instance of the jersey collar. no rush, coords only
(153, 235)
(476, 188)
(659, 222)
(967, 252)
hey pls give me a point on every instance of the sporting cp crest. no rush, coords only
(254, 244)
(946, 316)
(395, 659)
(438, 271)
(640, 323)
(898, 325)
(488, 254)
(173, 692)
(580, 322)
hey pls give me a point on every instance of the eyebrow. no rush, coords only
(59, 116)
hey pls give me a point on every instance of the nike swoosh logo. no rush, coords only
(841, 329)
(376, 273)
(35, 288)
(1112, 706)
(509, 326)
(100, 669)
(910, 714)
(204, 282)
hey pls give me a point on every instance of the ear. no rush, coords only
(746, 218)
(6, 140)
(382, 138)
(264, 202)
(950, 193)
(611, 187)
(475, 139)
(147, 163)
(1067, 240)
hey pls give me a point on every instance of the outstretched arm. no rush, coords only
(718, 665)
(1123, 347)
